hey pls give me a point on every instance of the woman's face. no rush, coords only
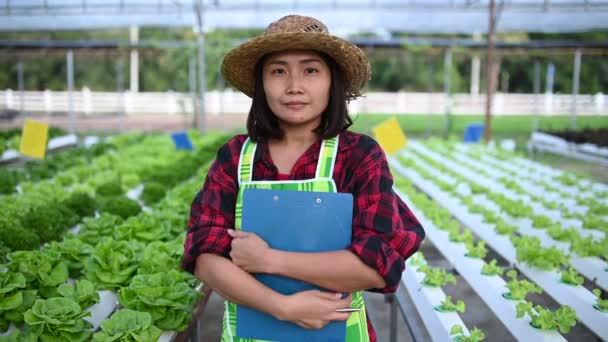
(297, 86)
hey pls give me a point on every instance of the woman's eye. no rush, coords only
(311, 70)
(277, 71)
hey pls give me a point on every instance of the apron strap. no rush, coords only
(245, 171)
(325, 164)
(327, 158)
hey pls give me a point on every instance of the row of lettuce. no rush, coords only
(516, 289)
(45, 210)
(34, 170)
(582, 246)
(528, 248)
(561, 184)
(48, 289)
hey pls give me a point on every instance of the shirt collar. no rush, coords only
(311, 154)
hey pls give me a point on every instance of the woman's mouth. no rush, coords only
(295, 105)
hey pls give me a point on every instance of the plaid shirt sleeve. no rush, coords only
(385, 231)
(212, 210)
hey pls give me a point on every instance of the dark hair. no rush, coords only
(262, 123)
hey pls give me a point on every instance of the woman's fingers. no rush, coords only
(337, 302)
(237, 233)
(329, 295)
(314, 309)
(340, 316)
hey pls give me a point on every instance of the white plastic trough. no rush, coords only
(489, 288)
(579, 298)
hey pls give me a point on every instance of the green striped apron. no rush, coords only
(356, 326)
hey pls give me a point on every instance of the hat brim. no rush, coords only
(239, 64)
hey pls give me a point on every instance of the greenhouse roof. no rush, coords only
(342, 16)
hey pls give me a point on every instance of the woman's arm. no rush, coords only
(309, 309)
(340, 271)
(236, 285)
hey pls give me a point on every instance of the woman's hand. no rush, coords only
(249, 252)
(314, 309)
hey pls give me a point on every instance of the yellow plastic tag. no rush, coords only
(390, 136)
(34, 138)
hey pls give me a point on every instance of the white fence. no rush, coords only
(87, 102)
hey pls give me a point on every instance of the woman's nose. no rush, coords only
(294, 84)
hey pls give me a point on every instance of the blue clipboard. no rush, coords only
(295, 221)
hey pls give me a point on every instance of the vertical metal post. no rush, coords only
(192, 83)
(549, 88)
(202, 125)
(71, 114)
(21, 86)
(536, 95)
(120, 89)
(475, 73)
(431, 69)
(134, 79)
(447, 62)
(393, 314)
(491, 73)
(475, 68)
(575, 85)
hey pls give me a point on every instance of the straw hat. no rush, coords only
(296, 32)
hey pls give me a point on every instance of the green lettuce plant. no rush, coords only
(120, 205)
(153, 192)
(110, 188)
(82, 292)
(436, 277)
(144, 228)
(592, 221)
(128, 326)
(15, 299)
(541, 221)
(601, 304)
(169, 297)
(58, 319)
(476, 335)
(530, 251)
(130, 180)
(173, 213)
(112, 263)
(559, 234)
(73, 251)
(563, 318)
(571, 277)
(449, 306)
(518, 289)
(43, 270)
(161, 257)
(417, 259)
(502, 228)
(491, 269)
(81, 203)
(93, 230)
(588, 247)
(465, 237)
(490, 216)
(478, 251)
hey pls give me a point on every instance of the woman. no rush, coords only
(300, 79)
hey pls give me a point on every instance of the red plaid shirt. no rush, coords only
(385, 232)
